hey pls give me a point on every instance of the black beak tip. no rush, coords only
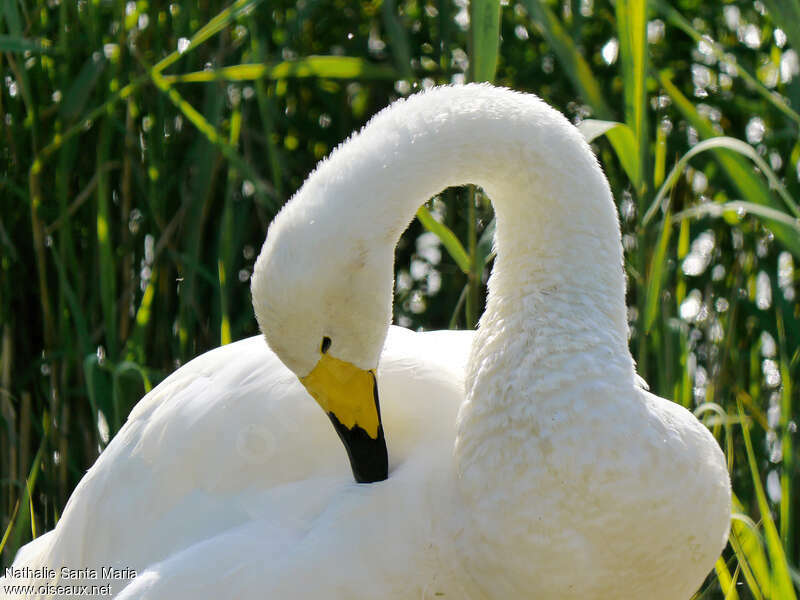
(369, 459)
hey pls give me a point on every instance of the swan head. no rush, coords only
(323, 303)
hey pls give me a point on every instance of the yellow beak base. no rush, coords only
(349, 396)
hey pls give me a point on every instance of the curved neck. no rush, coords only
(557, 229)
(559, 256)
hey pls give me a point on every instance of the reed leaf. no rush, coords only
(262, 191)
(655, 275)
(732, 210)
(679, 21)
(632, 32)
(108, 286)
(25, 518)
(622, 139)
(447, 237)
(735, 166)
(718, 143)
(9, 528)
(780, 579)
(78, 94)
(330, 67)
(789, 472)
(575, 65)
(398, 34)
(19, 45)
(484, 38)
(210, 29)
(726, 582)
(750, 557)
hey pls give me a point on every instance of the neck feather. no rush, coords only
(557, 241)
(557, 229)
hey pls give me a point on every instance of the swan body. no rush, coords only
(525, 459)
(227, 481)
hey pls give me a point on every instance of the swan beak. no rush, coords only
(349, 396)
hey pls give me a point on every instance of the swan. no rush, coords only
(525, 459)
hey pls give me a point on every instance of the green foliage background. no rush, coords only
(146, 146)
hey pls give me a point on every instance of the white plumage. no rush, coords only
(525, 459)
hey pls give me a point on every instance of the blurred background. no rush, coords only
(146, 145)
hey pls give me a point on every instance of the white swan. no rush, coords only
(537, 469)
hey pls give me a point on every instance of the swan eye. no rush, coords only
(326, 343)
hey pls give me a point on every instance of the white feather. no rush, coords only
(526, 460)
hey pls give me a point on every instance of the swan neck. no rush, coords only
(557, 237)
(557, 228)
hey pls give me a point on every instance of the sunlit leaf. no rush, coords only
(721, 143)
(632, 33)
(484, 38)
(780, 578)
(737, 168)
(447, 237)
(622, 140)
(331, 67)
(655, 275)
(212, 27)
